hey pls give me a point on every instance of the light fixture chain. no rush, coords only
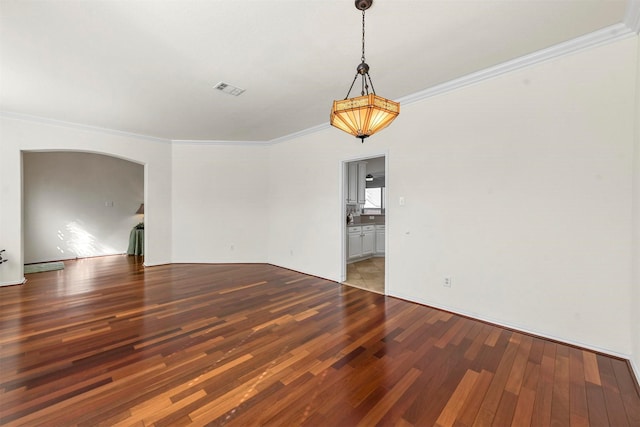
(365, 87)
(352, 83)
(363, 60)
(371, 83)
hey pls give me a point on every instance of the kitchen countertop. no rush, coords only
(379, 220)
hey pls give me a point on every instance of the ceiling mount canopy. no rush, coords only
(368, 113)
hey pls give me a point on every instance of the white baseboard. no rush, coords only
(523, 329)
(635, 369)
(22, 282)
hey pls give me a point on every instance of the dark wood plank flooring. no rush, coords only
(108, 342)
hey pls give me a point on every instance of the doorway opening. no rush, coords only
(364, 209)
(79, 205)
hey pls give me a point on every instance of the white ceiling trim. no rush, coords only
(216, 142)
(61, 123)
(606, 35)
(632, 16)
(304, 132)
(294, 135)
(588, 41)
(630, 28)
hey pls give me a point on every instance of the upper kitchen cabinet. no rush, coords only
(356, 185)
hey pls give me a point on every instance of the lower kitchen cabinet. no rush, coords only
(361, 241)
(380, 239)
(354, 242)
(368, 239)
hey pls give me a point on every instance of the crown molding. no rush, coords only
(79, 126)
(298, 134)
(629, 28)
(603, 36)
(632, 16)
(597, 38)
(278, 140)
(216, 142)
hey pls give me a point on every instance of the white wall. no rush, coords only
(306, 215)
(17, 135)
(635, 300)
(519, 187)
(220, 203)
(78, 204)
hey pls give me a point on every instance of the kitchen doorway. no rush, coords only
(364, 210)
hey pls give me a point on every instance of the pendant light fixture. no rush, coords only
(368, 113)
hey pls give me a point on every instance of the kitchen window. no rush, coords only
(374, 200)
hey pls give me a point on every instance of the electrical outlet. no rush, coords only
(447, 282)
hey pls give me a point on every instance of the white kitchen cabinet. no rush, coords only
(368, 239)
(354, 242)
(362, 182)
(360, 241)
(356, 183)
(352, 183)
(380, 239)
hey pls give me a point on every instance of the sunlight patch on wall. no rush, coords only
(82, 243)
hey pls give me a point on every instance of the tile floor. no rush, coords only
(367, 274)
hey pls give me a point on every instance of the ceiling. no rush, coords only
(375, 167)
(150, 67)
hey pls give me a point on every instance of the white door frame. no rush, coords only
(343, 208)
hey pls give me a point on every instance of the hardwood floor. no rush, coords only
(108, 342)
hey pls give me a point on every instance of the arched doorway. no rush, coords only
(78, 204)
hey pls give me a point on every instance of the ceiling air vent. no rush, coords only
(229, 89)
